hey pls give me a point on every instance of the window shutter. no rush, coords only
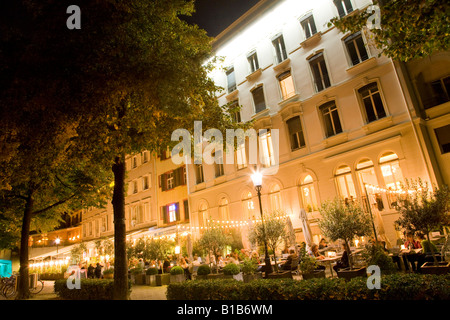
(186, 209)
(176, 178)
(164, 214)
(177, 211)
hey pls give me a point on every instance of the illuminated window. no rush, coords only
(224, 214)
(275, 197)
(344, 180)
(308, 194)
(203, 215)
(366, 175)
(241, 157)
(392, 175)
(248, 206)
(267, 156)
(172, 213)
(286, 85)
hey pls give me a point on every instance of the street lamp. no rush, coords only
(257, 182)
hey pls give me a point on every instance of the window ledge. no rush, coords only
(311, 40)
(335, 140)
(232, 95)
(200, 186)
(220, 179)
(437, 110)
(378, 125)
(254, 75)
(362, 66)
(283, 64)
(261, 114)
(293, 98)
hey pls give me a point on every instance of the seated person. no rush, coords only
(323, 244)
(292, 260)
(411, 256)
(314, 252)
(343, 262)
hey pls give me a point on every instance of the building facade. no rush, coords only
(344, 119)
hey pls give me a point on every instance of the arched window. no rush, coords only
(224, 213)
(392, 175)
(344, 180)
(308, 194)
(366, 175)
(203, 215)
(275, 197)
(248, 207)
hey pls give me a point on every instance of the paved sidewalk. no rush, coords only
(137, 293)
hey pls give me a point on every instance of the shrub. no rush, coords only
(176, 270)
(231, 269)
(203, 270)
(90, 289)
(151, 271)
(109, 271)
(375, 255)
(136, 270)
(249, 266)
(393, 287)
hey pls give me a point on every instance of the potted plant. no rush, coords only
(231, 270)
(308, 265)
(157, 249)
(345, 221)
(425, 210)
(137, 276)
(203, 271)
(213, 241)
(150, 276)
(249, 268)
(108, 273)
(177, 274)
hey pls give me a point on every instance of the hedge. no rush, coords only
(90, 289)
(393, 287)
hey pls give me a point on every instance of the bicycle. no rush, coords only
(9, 287)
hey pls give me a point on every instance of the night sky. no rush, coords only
(216, 15)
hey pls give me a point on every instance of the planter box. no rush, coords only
(177, 278)
(313, 275)
(430, 268)
(202, 277)
(150, 280)
(280, 275)
(139, 279)
(250, 277)
(162, 279)
(213, 276)
(348, 274)
(108, 276)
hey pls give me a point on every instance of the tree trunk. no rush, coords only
(120, 252)
(433, 254)
(23, 284)
(349, 254)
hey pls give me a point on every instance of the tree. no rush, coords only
(214, 240)
(158, 249)
(408, 28)
(344, 221)
(274, 230)
(423, 209)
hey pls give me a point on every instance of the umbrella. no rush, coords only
(306, 228)
(291, 233)
(189, 246)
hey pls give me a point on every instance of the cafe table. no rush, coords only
(329, 261)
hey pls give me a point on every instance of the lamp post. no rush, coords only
(257, 182)
(57, 241)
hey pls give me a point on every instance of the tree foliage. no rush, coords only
(409, 28)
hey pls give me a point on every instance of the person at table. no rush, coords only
(409, 255)
(292, 260)
(314, 252)
(234, 258)
(185, 267)
(343, 262)
(323, 244)
(90, 272)
(428, 250)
